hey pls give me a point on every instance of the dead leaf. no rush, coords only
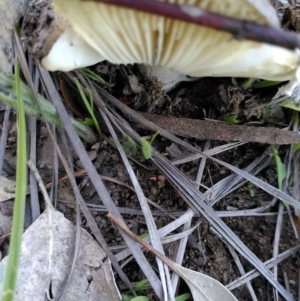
(203, 288)
(92, 278)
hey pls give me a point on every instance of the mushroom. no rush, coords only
(53, 40)
(126, 36)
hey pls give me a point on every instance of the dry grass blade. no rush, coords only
(79, 147)
(35, 206)
(203, 288)
(234, 181)
(4, 136)
(181, 249)
(213, 151)
(198, 203)
(102, 192)
(263, 185)
(164, 273)
(163, 231)
(34, 200)
(270, 264)
(296, 187)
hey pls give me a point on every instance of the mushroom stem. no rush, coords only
(239, 29)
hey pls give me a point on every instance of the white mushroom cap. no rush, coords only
(53, 40)
(70, 51)
(127, 36)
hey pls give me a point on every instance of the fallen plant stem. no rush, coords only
(209, 130)
(146, 245)
(239, 29)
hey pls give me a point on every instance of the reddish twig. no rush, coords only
(146, 245)
(239, 29)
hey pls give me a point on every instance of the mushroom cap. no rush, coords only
(125, 36)
(70, 51)
(53, 40)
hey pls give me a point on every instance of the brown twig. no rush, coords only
(239, 29)
(210, 130)
(147, 246)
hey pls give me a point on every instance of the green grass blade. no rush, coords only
(154, 136)
(20, 199)
(89, 105)
(290, 104)
(280, 167)
(8, 95)
(266, 83)
(92, 75)
(183, 297)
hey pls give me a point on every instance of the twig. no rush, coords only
(203, 130)
(146, 245)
